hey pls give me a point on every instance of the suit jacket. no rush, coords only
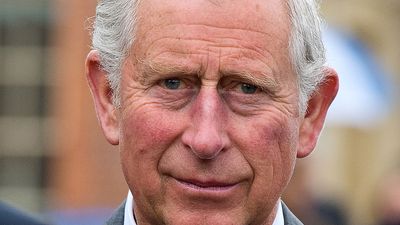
(12, 216)
(118, 216)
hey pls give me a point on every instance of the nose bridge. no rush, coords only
(206, 137)
(208, 106)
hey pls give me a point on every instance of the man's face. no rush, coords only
(209, 120)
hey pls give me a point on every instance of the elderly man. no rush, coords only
(210, 102)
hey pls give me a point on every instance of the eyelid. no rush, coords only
(235, 82)
(264, 81)
(185, 81)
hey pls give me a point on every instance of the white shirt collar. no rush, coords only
(129, 220)
(279, 215)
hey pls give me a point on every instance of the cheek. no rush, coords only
(148, 129)
(269, 146)
(265, 138)
(278, 145)
(145, 136)
(283, 152)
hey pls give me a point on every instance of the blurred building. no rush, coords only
(85, 175)
(52, 154)
(24, 99)
(53, 157)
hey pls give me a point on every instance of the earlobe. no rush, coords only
(102, 97)
(317, 109)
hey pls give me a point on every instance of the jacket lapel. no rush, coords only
(118, 216)
(289, 217)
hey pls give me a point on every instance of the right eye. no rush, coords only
(248, 88)
(172, 83)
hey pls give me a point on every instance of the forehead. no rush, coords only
(231, 34)
(263, 16)
(244, 13)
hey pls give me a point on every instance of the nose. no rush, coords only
(206, 137)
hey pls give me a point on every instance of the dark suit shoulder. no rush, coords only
(289, 217)
(117, 218)
(12, 216)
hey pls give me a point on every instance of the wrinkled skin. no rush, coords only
(209, 127)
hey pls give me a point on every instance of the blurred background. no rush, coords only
(54, 161)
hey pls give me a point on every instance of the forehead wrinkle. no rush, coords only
(220, 31)
(215, 2)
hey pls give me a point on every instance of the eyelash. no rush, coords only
(236, 84)
(186, 83)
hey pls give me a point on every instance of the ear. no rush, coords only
(102, 97)
(317, 109)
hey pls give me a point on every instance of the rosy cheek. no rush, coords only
(146, 136)
(269, 146)
(264, 143)
(151, 130)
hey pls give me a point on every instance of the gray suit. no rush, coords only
(118, 216)
(13, 216)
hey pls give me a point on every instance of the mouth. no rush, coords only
(206, 186)
(208, 193)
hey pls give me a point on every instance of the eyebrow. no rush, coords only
(155, 70)
(263, 80)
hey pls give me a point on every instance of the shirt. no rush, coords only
(129, 220)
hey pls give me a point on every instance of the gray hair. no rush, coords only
(306, 48)
(114, 34)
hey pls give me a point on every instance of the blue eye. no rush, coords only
(248, 88)
(172, 84)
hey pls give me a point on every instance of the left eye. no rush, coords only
(248, 88)
(172, 83)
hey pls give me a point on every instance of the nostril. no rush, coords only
(204, 143)
(206, 151)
